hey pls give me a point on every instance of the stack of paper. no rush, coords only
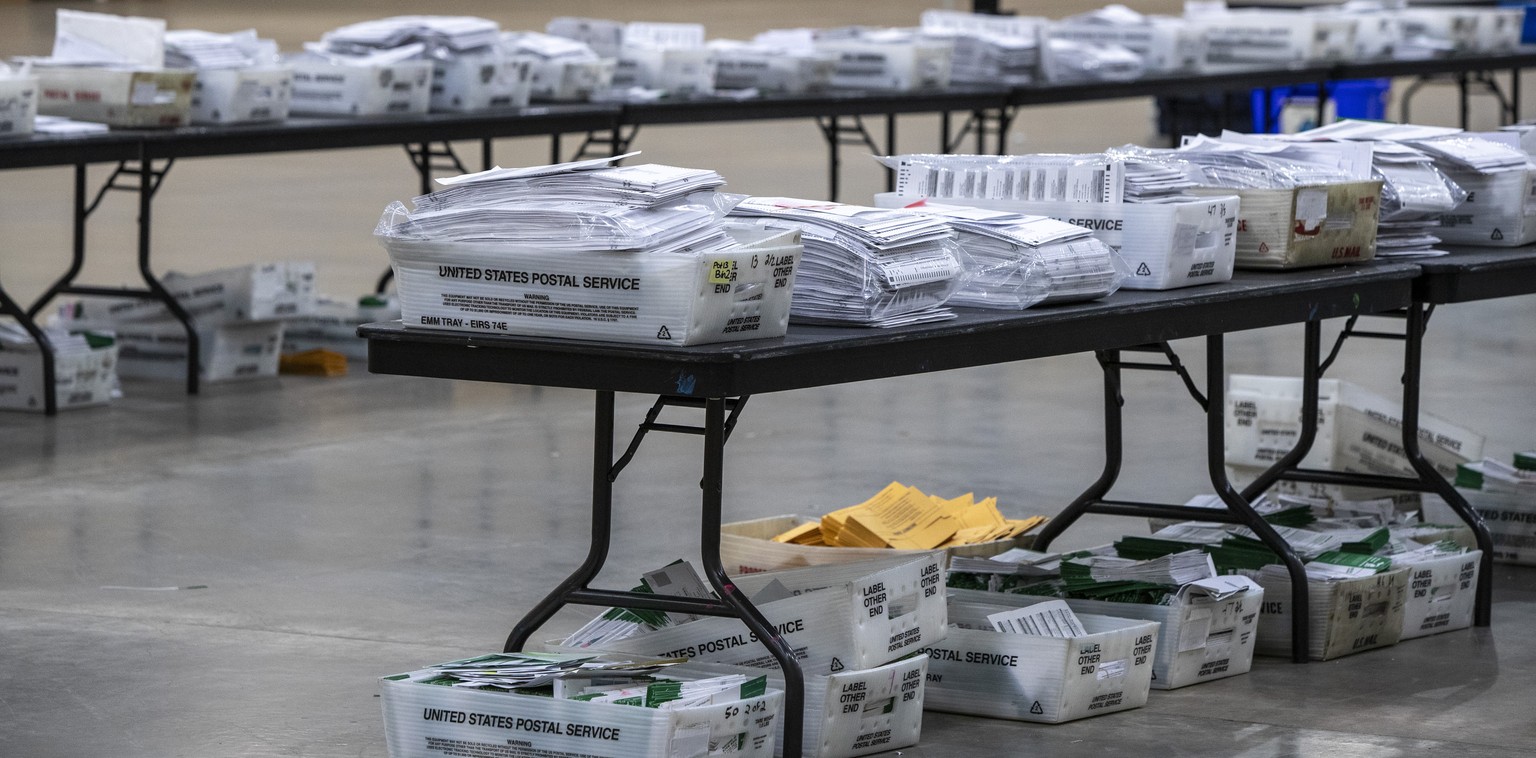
(1013, 261)
(1474, 153)
(454, 33)
(1161, 43)
(592, 679)
(866, 266)
(562, 69)
(588, 206)
(768, 69)
(1066, 61)
(1051, 618)
(519, 671)
(1493, 475)
(643, 185)
(1085, 178)
(904, 517)
(1016, 561)
(60, 125)
(1158, 182)
(1175, 569)
(191, 48)
(988, 49)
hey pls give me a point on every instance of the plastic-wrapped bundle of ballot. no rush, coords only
(864, 265)
(239, 78)
(988, 49)
(470, 68)
(769, 68)
(1067, 61)
(1414, 191)
(1163, 44)
(1110, 177)
(587, 250)
(563, 69)
(652, 58)
(1013, 261)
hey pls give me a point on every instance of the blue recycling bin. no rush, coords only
(1352, 98)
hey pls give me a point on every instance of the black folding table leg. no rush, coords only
(148, 184)
(1216, 435)
(1311, 371)
(602, 521)
(709, 546)
(1109, 361)
(77, 261)
(1412, 355)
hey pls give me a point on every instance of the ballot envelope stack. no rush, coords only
(588, 250)
(988, 49)
(84, 368)
(866, 266)
(1013, 261)
(582, 704)
(239, 76)
(562, 69)
(1373, 576)
(238, 314)
(1140, 206)
(1208, 621)
(471, 70)
(857, 629)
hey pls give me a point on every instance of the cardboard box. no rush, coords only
(1500, 209)
(333, 325)
(571, 81)
(1050, 680)
(1202, 639)
(897, 65)
(742, 292)
(434, 721)
(229, 352)
(842, 617)
(1510, 517)
(1316, 225)
(1165, 245)
(1441, 593)
(747, 547)
(256, 292)
(1252, 39)
(18, 105)
(1357, 430)
(117, 97)
(242, 95)
(80, 379)
(850, 713)
(322, 88)
(1344, 617)
(478, 81)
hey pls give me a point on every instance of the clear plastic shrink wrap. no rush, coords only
(864, 265)
(1013, 261)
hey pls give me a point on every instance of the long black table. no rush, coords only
(720, 378)
(144, 157)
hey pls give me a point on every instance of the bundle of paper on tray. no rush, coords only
(866, 266)
(1013, 261)
(905, 517)
(988, 48)
(639, 254)
(561, 69)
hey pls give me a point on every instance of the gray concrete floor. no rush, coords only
(343, 529)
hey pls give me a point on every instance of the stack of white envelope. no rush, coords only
(1013, 261)
(989, 49)
(562, 69)
(586, 250)
(581, 206)
(456, 33)
(864, 265)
